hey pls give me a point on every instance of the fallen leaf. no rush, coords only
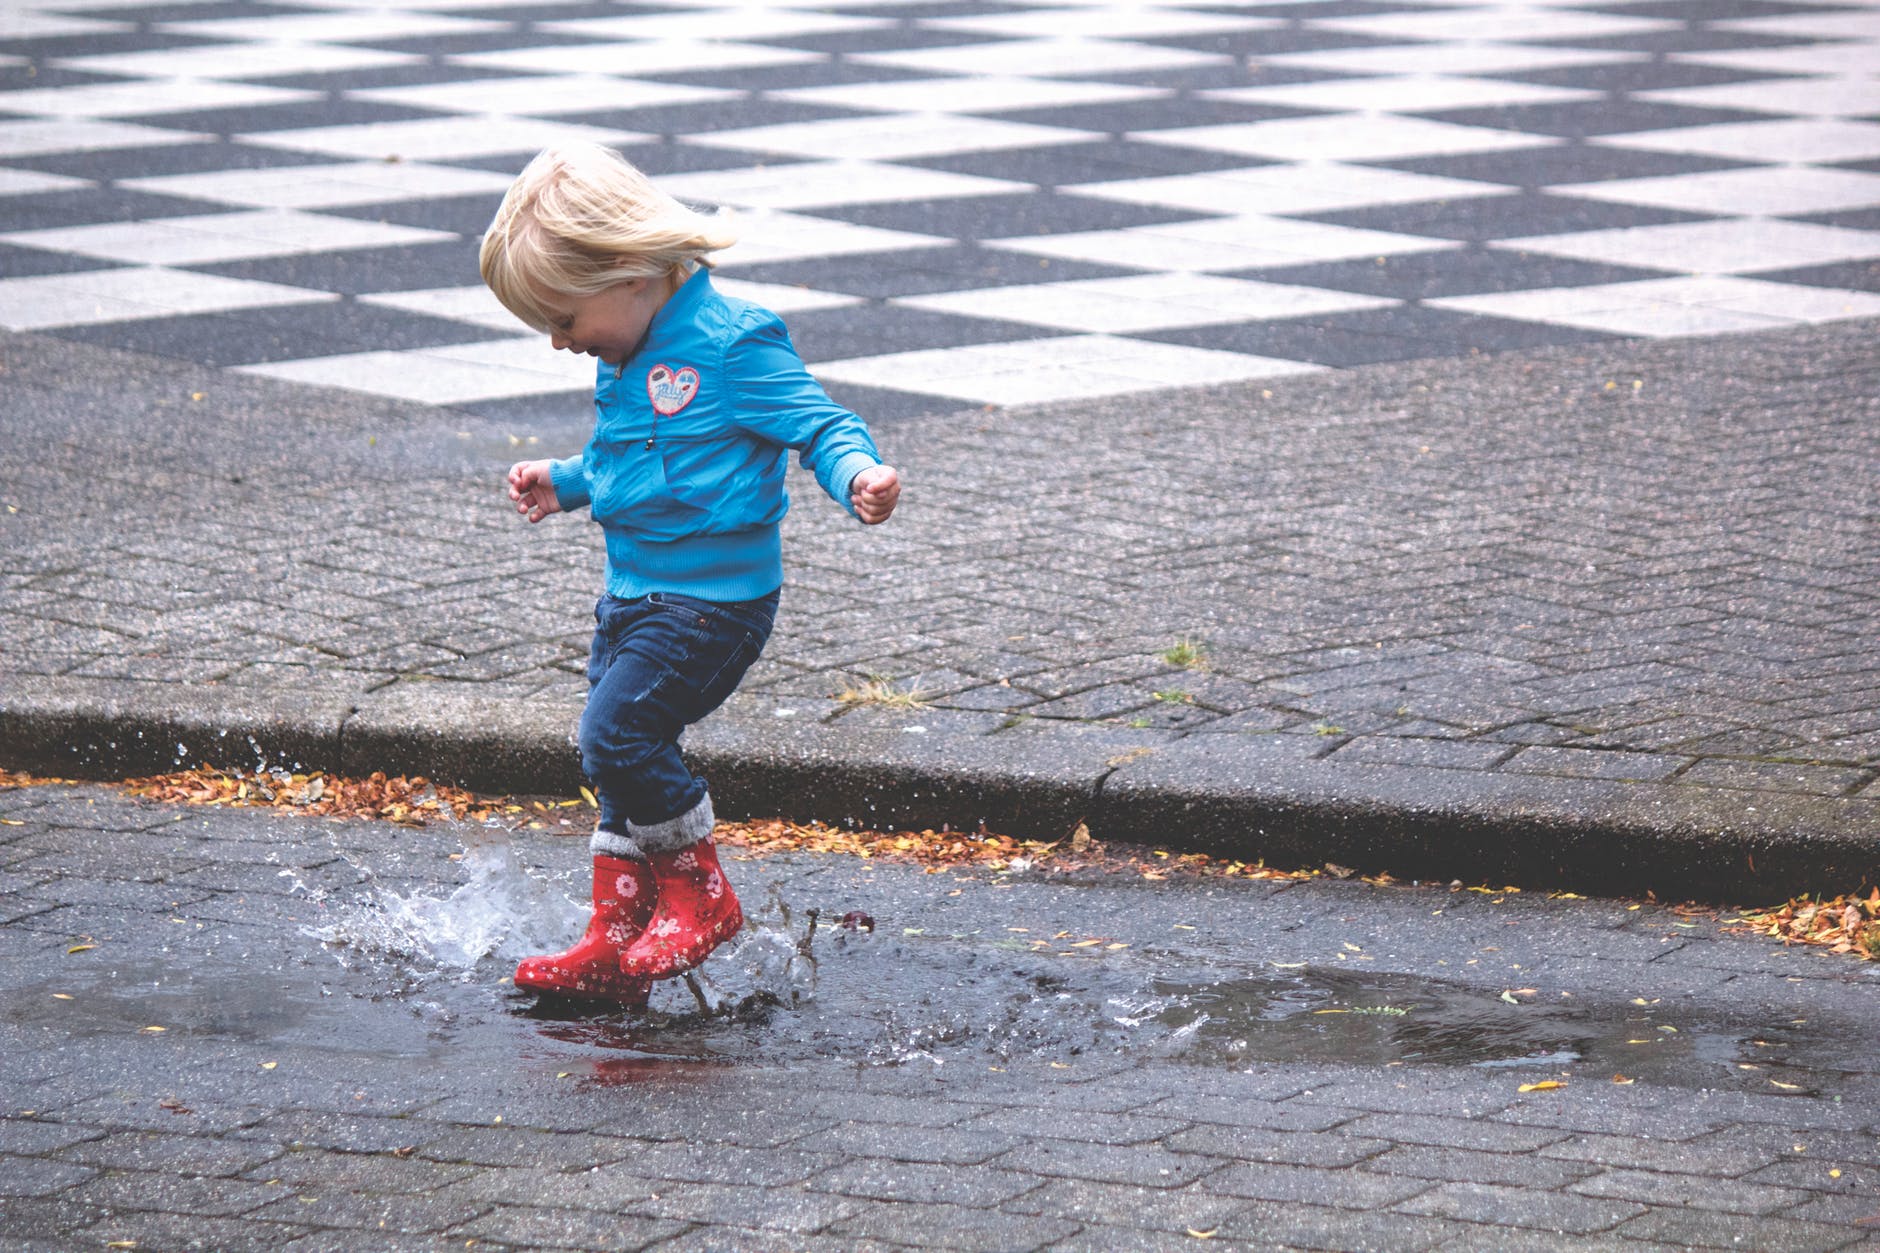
(1203, 1235)
(1545, 1085)
(155, 1029)
(81, 948)
(269, 1065)
(1622, 1079)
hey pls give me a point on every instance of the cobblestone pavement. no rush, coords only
(232, 1030)
(1622, 597)
(954, 203)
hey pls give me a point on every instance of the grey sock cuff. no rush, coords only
(684, 831)
(613, 844)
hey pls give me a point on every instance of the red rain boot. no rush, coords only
(696, 912)
(623, 901)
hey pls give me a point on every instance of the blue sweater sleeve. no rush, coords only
(571, 485)
(780, 401)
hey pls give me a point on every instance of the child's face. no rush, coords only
(609, 324)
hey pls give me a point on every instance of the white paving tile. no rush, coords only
(1044, 58)
(31, 182)
(1344, 137)
(437, 139)
(1853, 57)
(147, 97)
(1850, 23)
(891, 137)
(358, 27)
(1072, 368)
(750, 25)
(542, 95)
(670, 57)
(237, 61)
(326, 186)
(782, 299)
(1294, 187)
(92, 296)
(1219, 244)
(1838, 96)
(1766, 190)
(473, 304)
(21, 23)
(1665, 308)
(765, 236)
(1120, 21)
(1516, 23)
(1728, 246)
(491, 371)
(1455, 58)
(814, 184)
(1797, 139)
(1402, 93)
(1146, 302)
(978, 94)
(220, 237)
(35, 138)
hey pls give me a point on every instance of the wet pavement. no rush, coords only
(232, 1029)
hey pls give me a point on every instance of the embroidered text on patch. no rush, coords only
(671, 390)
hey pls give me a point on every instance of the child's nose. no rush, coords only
(559, 340)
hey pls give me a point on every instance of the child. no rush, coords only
(698, 398)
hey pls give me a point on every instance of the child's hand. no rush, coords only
(533, 491)
(874, 493)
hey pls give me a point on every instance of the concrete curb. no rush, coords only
(1244, 796)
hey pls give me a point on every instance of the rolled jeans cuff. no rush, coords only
(687, 829)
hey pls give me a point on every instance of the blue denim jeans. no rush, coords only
(660, 663)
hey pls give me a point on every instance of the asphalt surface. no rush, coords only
(230, 1029)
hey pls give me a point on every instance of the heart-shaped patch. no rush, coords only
(671, 390)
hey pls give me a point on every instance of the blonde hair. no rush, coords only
(580, 218)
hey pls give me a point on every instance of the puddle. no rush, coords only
(423, 974)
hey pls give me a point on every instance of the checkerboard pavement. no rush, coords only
(953, 202)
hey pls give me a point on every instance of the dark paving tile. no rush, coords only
(1853, 219)
(115, 164)
(1451, 272)
(1007, 216)
(1691, 39)
(938, 8)
(1095, 161)
(86, 206)
(960, 267)
(783, 77)
(59, 47)
(420, 75)
(36, 77)
(659, 157)
(1151, 115)
(449, 263)
(1578, 119)
(1269, 43)
(528, 14)
(1561, 164)
(1623, 76)
(1406, 333)
(467, 43)
(533, 412)
(710, 115)
(871, 330)
(287, 333)
(1710, 10)
(1869, 167)
(884, 39)
(1483, 218)
(17, 262)
(466, 215)
(1842, 276)
(146, 13)
(880, 404)
(256, 119)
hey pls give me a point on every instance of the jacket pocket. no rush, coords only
(631, 491)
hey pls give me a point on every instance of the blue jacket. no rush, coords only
(685, 470)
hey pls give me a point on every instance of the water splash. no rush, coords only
(502, 913)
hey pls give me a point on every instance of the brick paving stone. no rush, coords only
(1733, 1196)
(317, 1170)
(1169, 1210)
(1271, 1224)
(1261, 1144)
(536, 1227)
(1095, 1126)
(1456, 1133)
(1724, 1154)
(149, 1190)
(28, 1137)
(1347, 1188)
(1696, 1229)
(514, 1146)
(147, 1150)
(1469, 1166)
(953, 1227)
(782, 1209)
(914, 1181)
(329, 1206)
(962, 1146)
(1519, 1207)
(1150, 1167)
(26, 1176)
